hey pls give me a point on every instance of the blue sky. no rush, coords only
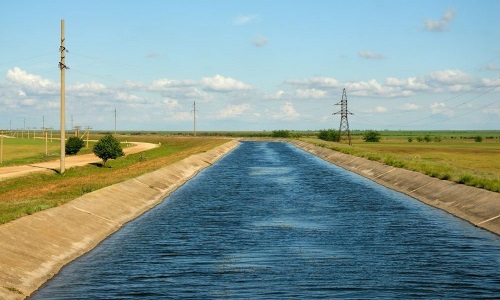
(252, 65)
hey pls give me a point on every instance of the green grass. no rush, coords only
(38, 191)
(457, 160)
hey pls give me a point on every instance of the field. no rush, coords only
(28, 194)
(449, 155)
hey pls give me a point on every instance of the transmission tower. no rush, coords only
(344, 132)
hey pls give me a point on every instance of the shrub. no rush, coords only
(410, 139)
(371, 136)
(281, 134)
(478, 139)
(73, 145)
(329, 135)
(108, 148)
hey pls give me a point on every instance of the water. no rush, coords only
(269, 221)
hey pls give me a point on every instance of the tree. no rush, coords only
(281, 134)
(73, 145)
(371, 136)
(108, 148)
(329, 135)
(478, 139)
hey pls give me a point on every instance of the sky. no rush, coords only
(251, 65)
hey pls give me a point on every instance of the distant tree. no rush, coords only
(73, 145)
(427, 138)
(329, 135)
(281, 134)
(410, 139)
(108, 148)
(371, 136)
(478, 139)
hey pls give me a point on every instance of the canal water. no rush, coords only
(269, 221)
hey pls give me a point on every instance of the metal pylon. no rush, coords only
(344, 132)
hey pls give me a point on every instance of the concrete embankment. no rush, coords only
(34, 248)
(478, 206)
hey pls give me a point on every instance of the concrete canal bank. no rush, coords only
(34, 248)
(478, 206)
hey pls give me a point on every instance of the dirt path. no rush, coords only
(70, 161)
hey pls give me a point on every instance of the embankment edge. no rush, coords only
(477, 206)
(34, 248)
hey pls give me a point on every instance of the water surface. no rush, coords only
(269, 221)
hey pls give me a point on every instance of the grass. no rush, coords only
(38, 191)
(458, 160)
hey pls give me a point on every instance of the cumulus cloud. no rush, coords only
(370, 55)
(316, 82)
(232, 111)
(259, 41)
(410, 106)
(287, 112)
(310, 94)
(440, 108)
(220, 83)
(441, 24)
(244, 19)
(171, 104)
(31, 82)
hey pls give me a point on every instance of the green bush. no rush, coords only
(478, 139)
(282, 134)
(329, 135)
(371, 136)
(73, 145)
(108, 148)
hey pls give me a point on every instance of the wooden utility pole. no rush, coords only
(62, 66)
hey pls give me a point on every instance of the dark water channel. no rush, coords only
(269, 221)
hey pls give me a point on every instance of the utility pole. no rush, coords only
(344, 131)
(115, 121)
(62, 66)
(88, 134)
(194, 114)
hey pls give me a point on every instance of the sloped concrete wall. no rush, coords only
(34, 248)
(478, 206)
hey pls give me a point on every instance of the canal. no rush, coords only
(269, 221)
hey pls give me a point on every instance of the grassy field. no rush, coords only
(28, 194)
(459, 160)
(456, 157)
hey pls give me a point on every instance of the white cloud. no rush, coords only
(232, 111)
(180, 116)
(440, 108)
(259, 41)
(318, 82)
(310, 94)
(276, 96)
(410, 106)
(287, 111)
(441, 24)
(380, 109)
(370, 55)
(451, 77)
(244, 19)
(31, 82)
(220, 83)
(171, 104)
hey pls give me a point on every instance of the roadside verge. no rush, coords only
(477, 206)
(34, 248)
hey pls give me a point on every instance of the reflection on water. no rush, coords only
(270, 222)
